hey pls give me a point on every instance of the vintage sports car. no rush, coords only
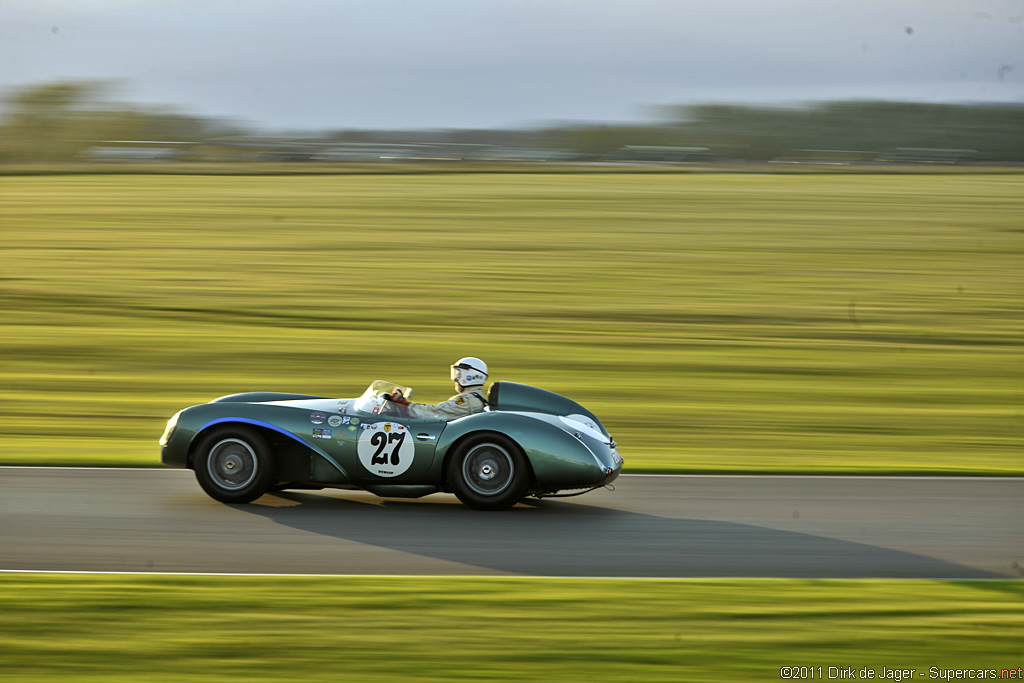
(528, 441)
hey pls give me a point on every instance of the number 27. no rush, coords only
(381, 441)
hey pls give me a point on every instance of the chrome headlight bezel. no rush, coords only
(169, 429)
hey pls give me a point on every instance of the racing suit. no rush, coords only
(460, 405)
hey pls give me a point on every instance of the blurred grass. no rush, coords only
(158, 628)
(714, 322)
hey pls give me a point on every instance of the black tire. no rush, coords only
(489, 472)
(233, 464)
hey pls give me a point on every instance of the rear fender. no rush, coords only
(557, 459)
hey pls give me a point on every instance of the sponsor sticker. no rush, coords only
(355, 420)
(346, 419)
(321, 433)
(334, 420)
(317, 418)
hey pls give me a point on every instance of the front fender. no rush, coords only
(193, 422)
(558, 459)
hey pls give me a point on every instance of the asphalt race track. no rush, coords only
(153, 520)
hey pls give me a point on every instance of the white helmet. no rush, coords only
(469, 372)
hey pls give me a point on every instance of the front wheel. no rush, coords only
(489, 473)
(233, 465)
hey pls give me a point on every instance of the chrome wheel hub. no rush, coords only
(232, 464)
(488, 469)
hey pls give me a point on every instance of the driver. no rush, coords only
(469, 375)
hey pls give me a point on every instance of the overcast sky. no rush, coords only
(496, 63)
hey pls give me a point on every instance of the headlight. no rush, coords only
(169, 430)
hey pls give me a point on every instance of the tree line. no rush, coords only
(61, 121)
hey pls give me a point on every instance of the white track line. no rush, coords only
(101, 469)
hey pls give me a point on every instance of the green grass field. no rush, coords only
(132, 628)
(715, 322)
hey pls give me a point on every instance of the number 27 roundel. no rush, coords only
(385, 449)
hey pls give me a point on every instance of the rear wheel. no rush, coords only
(233, 465)
(489, 472)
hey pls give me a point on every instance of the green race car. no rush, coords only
(527, 441)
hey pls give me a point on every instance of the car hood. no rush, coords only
(321, 405)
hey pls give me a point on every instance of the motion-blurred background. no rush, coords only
(765, 236)
(753, 236)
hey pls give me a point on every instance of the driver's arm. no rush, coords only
(456, 407)
(396, 396)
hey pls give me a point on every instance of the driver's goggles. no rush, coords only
(462, 366)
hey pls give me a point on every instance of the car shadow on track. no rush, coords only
(558, 538)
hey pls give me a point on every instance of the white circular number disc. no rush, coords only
(386, 448)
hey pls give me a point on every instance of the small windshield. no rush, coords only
(372, 401)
